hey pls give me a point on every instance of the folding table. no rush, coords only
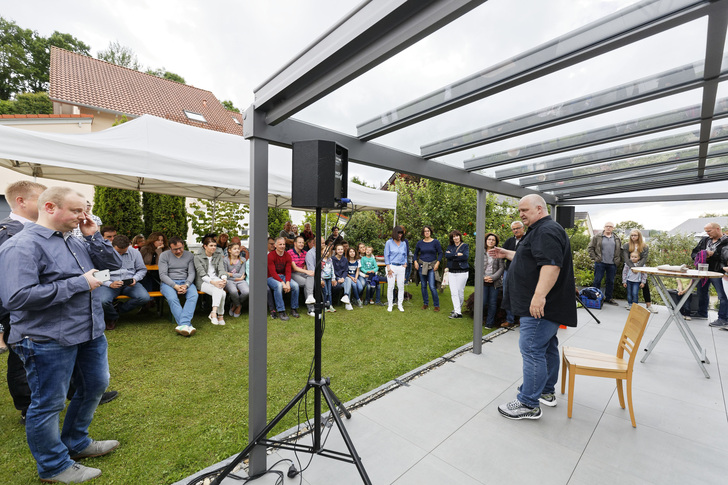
(657, 276)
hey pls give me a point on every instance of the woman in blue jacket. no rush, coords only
(457, 254)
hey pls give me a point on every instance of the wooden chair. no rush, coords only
(591, 363)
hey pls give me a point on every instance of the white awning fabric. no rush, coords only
(152, 154)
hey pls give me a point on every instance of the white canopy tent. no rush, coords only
(152, 154)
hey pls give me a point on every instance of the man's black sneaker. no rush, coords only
(283, 316)
(294, 313)
(273, 315)
(611, 302)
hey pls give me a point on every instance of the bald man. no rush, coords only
(540, 291)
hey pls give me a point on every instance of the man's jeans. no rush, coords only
(138, 296)
(429, 281)
(509, 314)
(704, 298)
(540, 351)
(600, 271)
(49, 367)
(182, 315)
(277, 288)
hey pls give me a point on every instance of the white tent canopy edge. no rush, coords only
(152, 154)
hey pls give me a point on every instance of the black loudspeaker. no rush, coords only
(319, 174)
(565, 216)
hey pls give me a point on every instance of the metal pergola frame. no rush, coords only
(379, 29)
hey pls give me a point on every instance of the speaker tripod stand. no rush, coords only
(321, 387)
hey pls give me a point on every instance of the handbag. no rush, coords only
(445, 278)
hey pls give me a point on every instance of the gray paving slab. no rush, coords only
(445, 428)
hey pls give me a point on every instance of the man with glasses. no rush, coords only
(177, 276)
(605, 249)
(511, 244)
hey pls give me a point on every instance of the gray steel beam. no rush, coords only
(380, 156)
(714, 59)
(617, 30)
(669, 83)
(646, 199)
(370, 34)
(258, 318)
(480, 216)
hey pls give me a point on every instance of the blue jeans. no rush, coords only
(633, 292)
(277, 288)
(490, 300)
(182, 315)
(704, 298)
(602, 270)
(429, 281)
(351, 286)
(49, 367)
(327, 292)
(138, 296)
(509, 314)
(540, 351)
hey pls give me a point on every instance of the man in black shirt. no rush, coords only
(540, 290)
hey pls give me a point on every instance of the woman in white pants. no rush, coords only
(211, 278)
(395, 257)
(457, 254)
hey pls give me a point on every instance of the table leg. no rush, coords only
(674, 311)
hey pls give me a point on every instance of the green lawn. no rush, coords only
(183, 402)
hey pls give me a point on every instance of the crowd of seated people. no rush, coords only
(350, 275)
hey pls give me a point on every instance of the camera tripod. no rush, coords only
(321, 387)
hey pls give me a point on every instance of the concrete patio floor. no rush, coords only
(444, 427)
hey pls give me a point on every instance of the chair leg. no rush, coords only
(629, 400)
(572, 374)
(563, 372)
(620, 393)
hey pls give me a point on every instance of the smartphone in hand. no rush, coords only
(103, 275)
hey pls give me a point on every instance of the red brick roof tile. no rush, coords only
(46, 116)
(81, 80)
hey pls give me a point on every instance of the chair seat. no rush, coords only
(589, 359)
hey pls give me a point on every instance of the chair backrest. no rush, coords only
(633, 331)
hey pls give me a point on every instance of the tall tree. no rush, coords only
(25, 57)
(163, 73)
(230, 106)
(629, 225)
(27, 103)
(120, 208)
(164, 213)
(277, 218)
(213, 216)
(120, 55)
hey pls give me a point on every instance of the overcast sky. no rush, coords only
(230, 47)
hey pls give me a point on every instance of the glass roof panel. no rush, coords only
(482, 40)
(620, 166)
(606, 27)
(638, 146)
(716, 170)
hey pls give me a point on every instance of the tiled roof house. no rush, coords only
(83, 85)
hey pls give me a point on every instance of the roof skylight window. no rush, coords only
(195, 116)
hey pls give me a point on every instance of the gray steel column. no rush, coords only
(478, 282)
(258, 317)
